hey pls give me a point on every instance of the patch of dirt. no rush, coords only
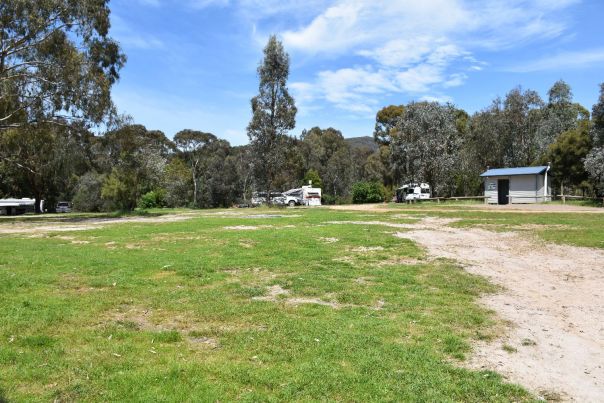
(247, 227)
(431, 222)
(207, 341)
(516, 208)
(328, 240)
(273, 293)
(553, 296)
(85, 224)
(400, 260)
(271, 216)
(247, 244)
(365, 249)
(276, 293)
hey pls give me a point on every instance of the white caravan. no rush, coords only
(413, 191)
(305, 196)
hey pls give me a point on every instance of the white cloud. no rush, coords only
(413, 47)
(436, 98)
(562, 61)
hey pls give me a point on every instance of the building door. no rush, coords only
(503, 191)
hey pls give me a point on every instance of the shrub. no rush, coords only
(328, 199)
(152, 199)
(88, 193)
(368, 192)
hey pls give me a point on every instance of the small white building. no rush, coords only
(517, 185)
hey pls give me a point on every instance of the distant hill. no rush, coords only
(364, 141)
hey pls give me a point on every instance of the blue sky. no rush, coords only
(192, 63)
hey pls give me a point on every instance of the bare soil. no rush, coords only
(35, 227)
(510, 208)
(552, 296)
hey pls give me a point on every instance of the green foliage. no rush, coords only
(368, 192)
(58, 59)
(427, 147)
(326, 151)
(41, 161)
(153, 199)
(273, 114)
(87, 197)
(313, 177)
(567, 156)
(386, 121)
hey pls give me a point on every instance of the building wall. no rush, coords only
(523, 188)
(490, 189)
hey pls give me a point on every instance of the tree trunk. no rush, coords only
(37, 206)
(194, 189)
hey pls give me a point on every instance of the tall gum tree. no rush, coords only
(274, 115)
(56, 60)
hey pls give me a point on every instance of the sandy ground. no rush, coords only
(511, 208)
(37, 227)
(553, 299)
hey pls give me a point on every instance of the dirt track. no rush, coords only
(553, 297)
(511, 208)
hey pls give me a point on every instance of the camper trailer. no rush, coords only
(305, 196)
(18, 206)
(413, 191)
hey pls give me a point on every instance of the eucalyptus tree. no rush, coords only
(41, 161)
(137, 160)
(273, 114)
(597, 116)
(326, 151)
(594, 161)
(193, 146)
(385, 123)
(56, 59)
(427, 144)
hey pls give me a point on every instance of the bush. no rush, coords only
(88, 193)
(368, 192)
(328, 199)
(152, 199)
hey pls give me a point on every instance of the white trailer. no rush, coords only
(311, 196)
(413, 191)
(304, 196)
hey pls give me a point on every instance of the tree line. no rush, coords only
(58, 64)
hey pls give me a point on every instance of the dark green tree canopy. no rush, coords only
(598, 119)
(273, 114)
(56, 59)
(385, 123)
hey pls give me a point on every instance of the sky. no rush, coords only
(192, 63)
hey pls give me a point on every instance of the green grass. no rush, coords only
(169, 312)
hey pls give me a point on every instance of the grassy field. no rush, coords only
(255, 308)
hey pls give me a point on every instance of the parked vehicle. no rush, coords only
(63, 207)
(259, 198)
(413, 191)
(304, 196)
(311, 196)
(294, 197)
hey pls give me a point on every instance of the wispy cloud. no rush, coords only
(562, 61)
(130, 38)
(411, 47)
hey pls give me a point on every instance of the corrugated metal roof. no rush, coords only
(515, 171)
